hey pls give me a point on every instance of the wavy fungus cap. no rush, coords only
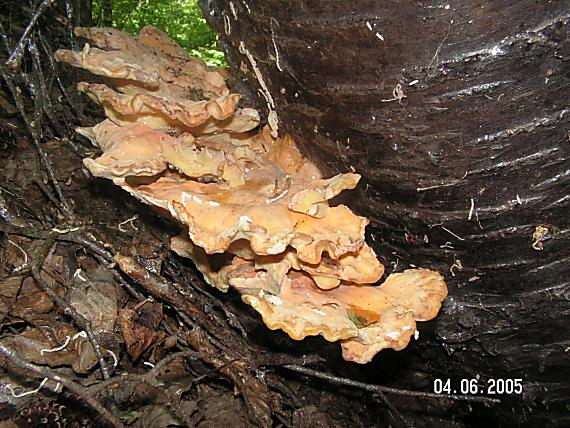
(176, 139)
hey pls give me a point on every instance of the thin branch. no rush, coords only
(4, 38)
(173, 269)
(71, 22)
(76, 236)
(169, 358)
(44, 98)
(275, 359)
(148, 377)
(385, 389)
(49, 55)
(398, 418)
(130, 289)
(16, 57)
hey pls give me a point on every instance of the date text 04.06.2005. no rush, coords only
(478, 386)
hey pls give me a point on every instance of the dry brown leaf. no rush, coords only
(31, 301)
(138, 336)
(97, 302)
(9, 288)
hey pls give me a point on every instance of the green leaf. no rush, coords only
(180, 19)
(358, 320)
(130, 417)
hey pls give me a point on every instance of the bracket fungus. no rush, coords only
(175, 138)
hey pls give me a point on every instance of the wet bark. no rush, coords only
(457, 118)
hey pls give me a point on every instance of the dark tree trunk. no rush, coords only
(106, 13)
(84, 9)
(457, 118)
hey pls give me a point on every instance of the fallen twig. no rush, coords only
(49, 55)
(284, 360)
(41, 92)
(15, 58)
(148, 377)
(385, 389)
(174, 269)
(76, 236)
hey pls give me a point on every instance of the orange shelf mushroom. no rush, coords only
(302, 264)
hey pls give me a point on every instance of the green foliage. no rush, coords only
(359, 321)
(130, 417)
(180, 19)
